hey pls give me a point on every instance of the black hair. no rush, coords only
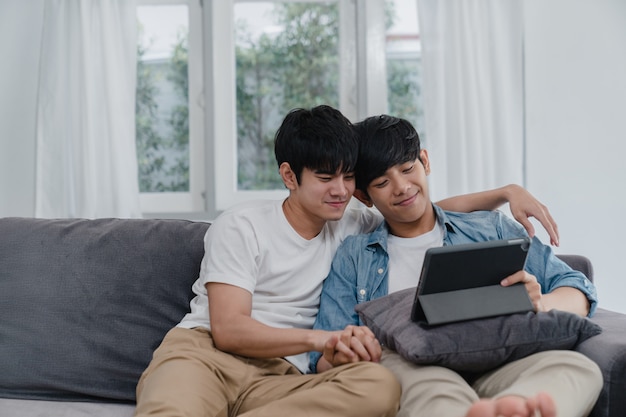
(384, 141)
(321, 139)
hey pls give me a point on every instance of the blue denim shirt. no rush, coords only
(359, 270)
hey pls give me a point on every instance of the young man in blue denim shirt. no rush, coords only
(391, 174)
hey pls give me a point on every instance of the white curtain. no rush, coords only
(86, 157)
(472, 53)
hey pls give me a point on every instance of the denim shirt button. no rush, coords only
(380, 270)
(362, 292)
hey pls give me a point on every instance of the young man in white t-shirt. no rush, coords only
(242, 350)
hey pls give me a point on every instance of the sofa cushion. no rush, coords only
(84, 303)
(474, 345)
(608, 350)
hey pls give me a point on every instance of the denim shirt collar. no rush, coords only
(379, 236)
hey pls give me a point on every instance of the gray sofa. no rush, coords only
(83, 304)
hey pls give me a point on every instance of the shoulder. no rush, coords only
(356, 245)
(483, 225)
(251, 210)
(246, 217)
(360, 240)
(473, 216)
(481, 218)
(356, 219)
(475, 220)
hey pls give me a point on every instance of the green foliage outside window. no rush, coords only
(163, 145)
(296, 67)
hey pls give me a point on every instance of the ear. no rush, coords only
(363, 197)
(425, 160)
(288, 176)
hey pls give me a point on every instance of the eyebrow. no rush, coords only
(329, 172)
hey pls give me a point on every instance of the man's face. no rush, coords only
(401, 195)
(324, 195)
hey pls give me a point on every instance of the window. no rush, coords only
(404, 63)
(169, 120)
(280, 55)
(264, 58)
(287, 56)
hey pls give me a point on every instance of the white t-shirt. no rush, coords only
(406, 256)
(253, 246)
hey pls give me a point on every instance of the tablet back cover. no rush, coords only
(462, 282)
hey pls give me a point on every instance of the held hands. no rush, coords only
(524, 205)
(353, 344)
(532, 287)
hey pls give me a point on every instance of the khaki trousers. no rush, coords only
(573, 380)
(188, 376)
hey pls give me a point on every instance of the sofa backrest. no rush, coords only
(84, 303)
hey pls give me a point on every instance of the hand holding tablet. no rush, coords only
(462, 282)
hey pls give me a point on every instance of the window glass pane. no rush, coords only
(162, 110)
(404, 62)
(286, 57)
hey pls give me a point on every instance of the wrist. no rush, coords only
(509, 191)
(316, 339)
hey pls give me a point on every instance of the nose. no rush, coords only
(339, 187)
(400, 186)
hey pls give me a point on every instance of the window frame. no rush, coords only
(212, 93)
(363, 85)
(155, 203)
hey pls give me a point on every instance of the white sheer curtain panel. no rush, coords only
(472, 53)
(86, 157)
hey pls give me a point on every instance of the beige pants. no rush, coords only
(188, 376)
(573, 380)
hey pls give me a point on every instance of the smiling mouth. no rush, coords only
(336, 204)
(407, 201)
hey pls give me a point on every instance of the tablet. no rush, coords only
(462, 282)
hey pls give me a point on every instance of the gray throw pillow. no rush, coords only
(84, 303)
(475, 345)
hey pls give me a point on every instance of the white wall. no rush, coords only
(576, 129)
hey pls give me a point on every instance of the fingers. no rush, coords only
(363, 342)
(529, 280)
(548, 223)
(523, 206)
(336, 352)
(346, 340)
(530, 229)
(368, 348)
(519, 276)
(353, 344)
(533, 288)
